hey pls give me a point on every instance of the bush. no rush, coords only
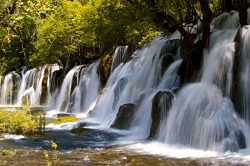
(18, 122)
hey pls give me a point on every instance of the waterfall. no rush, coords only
(9, 88)
(63, 97)
(87, 90)
(202, 118)
(218, 61)
(137, 82)
(78, 91)
(202, 115)
(27, 87)
(242, 78)
(122, 54)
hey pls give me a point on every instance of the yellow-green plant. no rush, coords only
(18, 122)
(65, 119)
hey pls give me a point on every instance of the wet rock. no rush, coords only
(160, 107)
(56, 80)
(78, 130)
(236, 94)
(241, 140)
(190, 68)
(124, 116)
(104, 68)
(173, 46)
(129, 50)
(167, 60)
(64, 115)
(234, 146)
(44, 90)
(16, 86)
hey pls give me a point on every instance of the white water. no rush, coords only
(80, 97)
(29, 86)
(244, 73)
(130, 82)
(87, 90)
(203, 116)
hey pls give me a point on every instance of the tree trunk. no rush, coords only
(207, 17)
(242, 6)
(227, 5)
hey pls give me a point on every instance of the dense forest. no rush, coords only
(69, 33)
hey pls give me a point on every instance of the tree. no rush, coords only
(18, 22)
(242, 6)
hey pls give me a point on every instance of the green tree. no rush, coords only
(18, 20)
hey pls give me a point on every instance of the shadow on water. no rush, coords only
(66, 140)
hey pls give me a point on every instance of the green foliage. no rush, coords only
(18, 122)
(96, 26)
(60, 35)
(37, 32)
(18, 22)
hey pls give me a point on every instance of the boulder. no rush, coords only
(124, 116)
(104, 68)
(160, 107)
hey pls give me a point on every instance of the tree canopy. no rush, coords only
(37, 32)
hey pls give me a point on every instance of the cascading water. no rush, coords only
(201, 116)
(78, 91)
(9, 88)
(87, 90)
(28, 86)
(242, 75)
(131, 81)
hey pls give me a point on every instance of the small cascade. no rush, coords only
(63, 98)
(204, 119)
(79, 90)
(34, 84)
(87, 89)
(218, 62)
(136, 82)
(9, 88)
(242, 78)
(122, 54)
(28, 87)
(26, 84)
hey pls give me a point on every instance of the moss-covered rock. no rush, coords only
(104, 68)
(65, 119)
(44, 90)
(16, 86)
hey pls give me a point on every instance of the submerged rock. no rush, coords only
(124, 116)
(160, 107)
